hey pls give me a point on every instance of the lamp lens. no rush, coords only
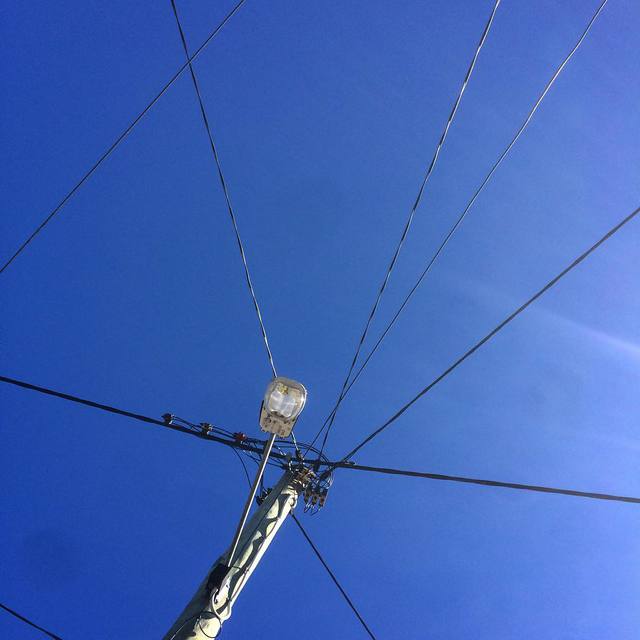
(284, 400)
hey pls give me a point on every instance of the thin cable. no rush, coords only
(269, 445)
(244, 466)
(486, 483)
(462, 216)
(252, 448)
(333, 577)
(295, 445)
(225, 190)
(31, 624)
(97, 405)
(407, 226)
(493, 332)
(182, 626)
(121, 137)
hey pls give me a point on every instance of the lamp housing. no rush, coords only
(283, 402)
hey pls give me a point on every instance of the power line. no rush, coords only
(251, 449)
(486, 483)
(223, 183)
(493, 332)
(31, 624)
(130, 414)
(462, 216)
(407, 226)
(98, 405)
(120, 138)
(332, 576)
(202, 431)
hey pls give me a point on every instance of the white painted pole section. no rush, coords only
(202, 618)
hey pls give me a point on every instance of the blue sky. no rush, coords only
(326, 115)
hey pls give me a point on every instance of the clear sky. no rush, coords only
(326, 114)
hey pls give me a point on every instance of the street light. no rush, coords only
(283, 402)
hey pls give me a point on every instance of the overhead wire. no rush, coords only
(333, 577)
(283, 460)
(96, 405)
(494, 331)
(184, 624)
(26, 620)
(409, 220)
(120, 138)
(225, 190)
(244, 466)
(345, 388)
(465, 211)
(478, 481)
(236, 230)
(252, 446)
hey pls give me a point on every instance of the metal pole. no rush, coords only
(252, 495)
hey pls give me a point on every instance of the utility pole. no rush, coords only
(212, 603)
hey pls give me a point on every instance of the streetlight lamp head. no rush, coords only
(283, 402)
